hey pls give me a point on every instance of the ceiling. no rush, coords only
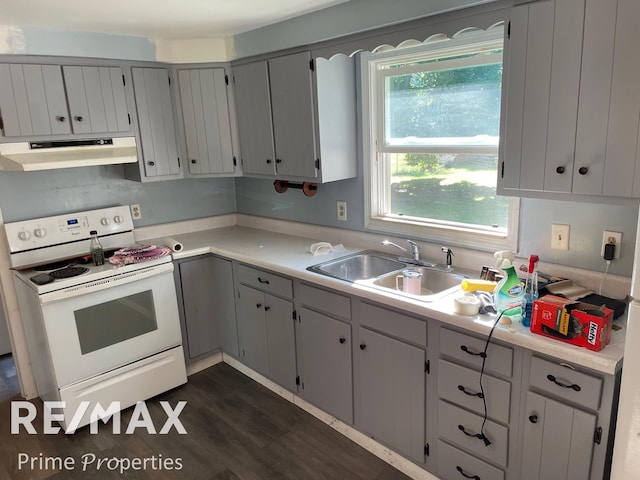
(169, 19)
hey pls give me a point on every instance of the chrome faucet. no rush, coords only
(415, 248)
(449, 253)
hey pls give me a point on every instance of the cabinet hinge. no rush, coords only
(509, 30)
(235, 162)
(318, 163)
(294, 315)
(312, 65)
(502, 170)
(226, 79)
(427, 366)
(124, 82)
(426, 449)
(597, 436)
(297, 379)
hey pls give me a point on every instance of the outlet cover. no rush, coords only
(611, 237)
(136, 212)
(341, 210)
(559, 237)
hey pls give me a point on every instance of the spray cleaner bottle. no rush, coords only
(530, 290)
(508, 294)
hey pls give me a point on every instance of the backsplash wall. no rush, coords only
(26, 195)
(587, 220)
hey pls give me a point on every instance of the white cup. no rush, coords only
(411, 282)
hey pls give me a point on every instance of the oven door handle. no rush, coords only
(104, 283)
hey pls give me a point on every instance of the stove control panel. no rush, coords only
(72, 227)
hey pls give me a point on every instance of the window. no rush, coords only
(431, 123)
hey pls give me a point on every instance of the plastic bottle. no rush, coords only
(508, 294)
(530, 290)
(95, 247)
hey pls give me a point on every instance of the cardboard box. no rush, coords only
(572, 322)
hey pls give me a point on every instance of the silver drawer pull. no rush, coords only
(464, 390)
(472, 477)
(466, 350)
(575, 386)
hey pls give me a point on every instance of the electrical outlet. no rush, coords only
(559, 237)
(136, 212)
(611, 237)
(341, 207)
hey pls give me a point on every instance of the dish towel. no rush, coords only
(139, 254)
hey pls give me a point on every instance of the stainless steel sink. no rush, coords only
(359, 266)
(435, 283)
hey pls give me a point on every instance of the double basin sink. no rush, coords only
(379, 270)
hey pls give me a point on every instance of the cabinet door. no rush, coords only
(96, 99)
(324, 353)
(209, 309)
(392, 389)
(32, 100)
(558, 441)
(205, 112)
(252, 329)
(293, 115)
(155, 119)
(253, 101)
(281, 341)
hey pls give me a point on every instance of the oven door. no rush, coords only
(98, 326)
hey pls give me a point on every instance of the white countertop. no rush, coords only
(290, 255)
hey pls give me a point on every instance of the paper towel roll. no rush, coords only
(173, 244)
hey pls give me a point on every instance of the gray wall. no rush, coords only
(26, 195)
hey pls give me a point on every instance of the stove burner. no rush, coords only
(51, 266)
(68, 272)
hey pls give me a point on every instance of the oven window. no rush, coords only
(113, 322)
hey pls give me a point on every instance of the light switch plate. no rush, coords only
(559, 237)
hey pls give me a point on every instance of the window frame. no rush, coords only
(375, 190)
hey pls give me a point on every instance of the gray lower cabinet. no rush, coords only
(40, 100)
(567, 432)
(471, 444)
(207, 309)
(324, 353)
(391, 373)
(158, 150)
(323, 335)
(266, 334)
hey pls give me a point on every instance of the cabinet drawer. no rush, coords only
(459, 426)
(470, 349)
(461, 386)
(265, 281)
(396, 324)
(325, 301)
(562, 381)
(454, 464)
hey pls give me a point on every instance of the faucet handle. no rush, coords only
(415, 249)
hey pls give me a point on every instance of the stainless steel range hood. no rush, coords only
(33, 156)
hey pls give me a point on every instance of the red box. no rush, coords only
(572, 322)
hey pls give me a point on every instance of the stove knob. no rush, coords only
(105, 221)
(117, 219)
(24, 235)
(40, 232)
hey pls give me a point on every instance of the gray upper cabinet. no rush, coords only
(296, 117)
(571, 111)
(41, 100)
(206, 120)
(157, 149)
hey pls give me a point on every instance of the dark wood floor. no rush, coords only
(237, 429)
